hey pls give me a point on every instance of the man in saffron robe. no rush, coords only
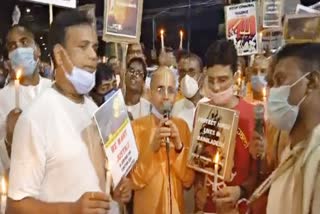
(150, 177)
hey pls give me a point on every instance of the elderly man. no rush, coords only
(156, 190)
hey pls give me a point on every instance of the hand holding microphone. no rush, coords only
(257, 145)
(166, 131)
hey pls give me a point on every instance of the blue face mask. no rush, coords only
(23, 58)
(258, 82)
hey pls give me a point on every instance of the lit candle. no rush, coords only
(216, 168)
(162, 39)
(181, 40)
(239, 78)
(260, 41)
(108, 178)
(264, 94)
(17, 88)
(3, 195)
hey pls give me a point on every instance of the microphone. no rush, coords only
(259, 119)
(166, 109)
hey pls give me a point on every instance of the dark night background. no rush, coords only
(203, 20)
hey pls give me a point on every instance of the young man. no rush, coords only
(294, 107)
(56, 144)
(221, 62)
(23, 56)
(106, 83)
(150, 176)
(190, 70)
(135, 80)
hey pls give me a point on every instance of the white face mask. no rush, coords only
(189, 86)
(23, 58)
(82, 80)
(220, 98)
(280, 112)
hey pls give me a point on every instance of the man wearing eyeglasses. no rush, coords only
(135, 80)
(150, 177)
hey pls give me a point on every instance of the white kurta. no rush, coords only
(296, 189)
(7, 104)
(140, 109)
(55, 151)
(185, 110)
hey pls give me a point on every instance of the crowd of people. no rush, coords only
(51, 150)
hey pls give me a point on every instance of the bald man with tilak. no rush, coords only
(150, 175)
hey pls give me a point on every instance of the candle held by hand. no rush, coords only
(162, 39)
(216, 171)
(17, 88)
(181, 40)
(3, 195)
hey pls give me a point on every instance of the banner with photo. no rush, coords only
(117, 136)
(214, 132)
(272, 13)
(122, 21)
(301, 28)
(241, 27)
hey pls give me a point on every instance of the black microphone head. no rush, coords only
(166, 108)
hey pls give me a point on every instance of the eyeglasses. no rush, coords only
(166, 91)
(133, 72)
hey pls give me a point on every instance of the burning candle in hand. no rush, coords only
(3, 195)
(162, 39)
(17, 88)
(181, 40)
(216, 171)
(264, 94)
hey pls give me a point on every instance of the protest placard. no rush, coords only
(214, 132)
(122, 21)
(117, 136)
(272, 13)
(241, 27)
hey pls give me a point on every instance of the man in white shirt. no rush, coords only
(294, 106)
(23, 55)
(135, 79)
(57, 157)
(190, 71)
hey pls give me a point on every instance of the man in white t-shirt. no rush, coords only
(190, 71)
(135, 79)
(57, 157)
(24, 56)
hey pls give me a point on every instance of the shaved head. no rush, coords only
(163, 87)
(161, 74)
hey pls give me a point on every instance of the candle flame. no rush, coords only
(264, 92)
(18, 74)
(181, 33)
(3, 186)
(161, 32)
(217, 158)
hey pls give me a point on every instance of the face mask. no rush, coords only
(280, 112)
(258, 82)
(223, 97)
(23, 58)
(189, 86)
(82, 80)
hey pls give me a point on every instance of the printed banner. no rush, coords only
(272, 13)
(214, 132)
(122, 21)
(116, 132)
(272, 40)
(241, 27)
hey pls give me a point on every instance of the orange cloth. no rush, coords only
(150, 174)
